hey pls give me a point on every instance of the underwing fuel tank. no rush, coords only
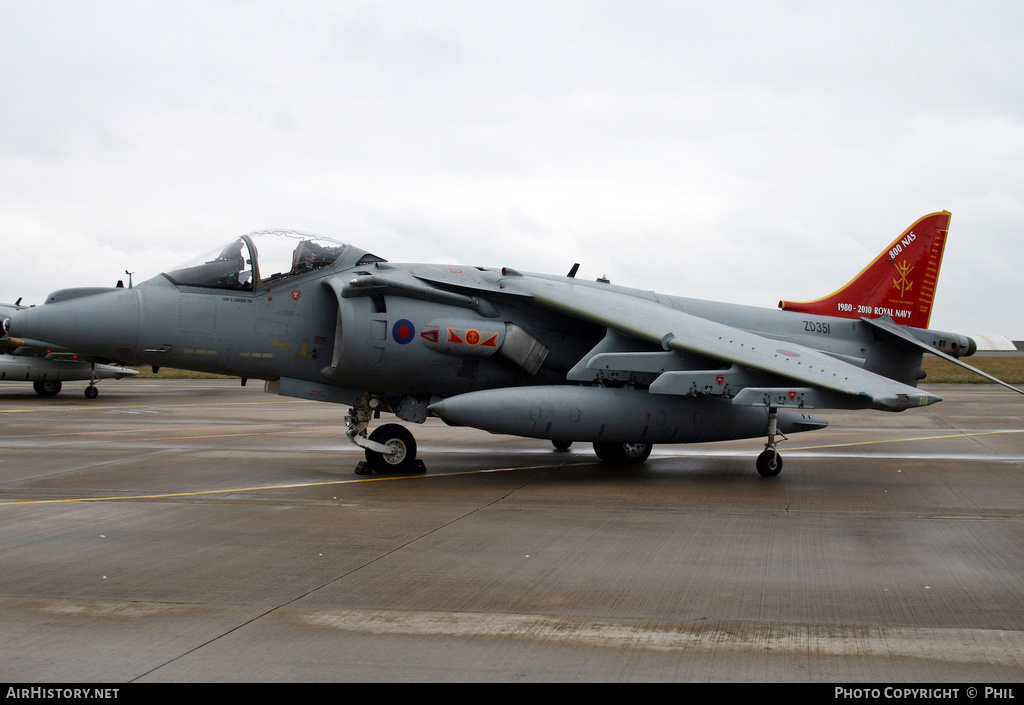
(616, 415)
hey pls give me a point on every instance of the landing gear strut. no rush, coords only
(389, 449)
(769, 462)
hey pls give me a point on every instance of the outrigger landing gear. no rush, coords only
(91, 392)
(769, 462)
(389, 449)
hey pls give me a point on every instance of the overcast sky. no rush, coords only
(738, 151)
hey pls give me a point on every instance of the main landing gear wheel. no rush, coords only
(626, 453)
(561, 445)
(48, 388)
(769, 463)
(402, 450)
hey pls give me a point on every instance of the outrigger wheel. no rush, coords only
(769, 463)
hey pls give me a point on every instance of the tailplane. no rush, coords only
(900, 282)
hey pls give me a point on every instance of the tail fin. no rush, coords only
(899, 282)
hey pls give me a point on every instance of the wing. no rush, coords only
(760, 370)
(887, 325)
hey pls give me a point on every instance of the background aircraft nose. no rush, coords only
(101, 323)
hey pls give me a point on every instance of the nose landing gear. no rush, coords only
(389, 449)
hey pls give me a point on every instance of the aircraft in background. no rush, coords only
(532, 355)
(48, 370)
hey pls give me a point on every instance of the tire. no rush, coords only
(769, 463)
(91, 392)
(403, 445)
(623, 453)
(47, 388)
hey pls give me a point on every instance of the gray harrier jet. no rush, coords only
(542, 356)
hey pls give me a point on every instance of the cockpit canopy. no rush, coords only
(264, 257)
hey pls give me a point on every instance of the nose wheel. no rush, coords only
(400, 456)
(389, 449)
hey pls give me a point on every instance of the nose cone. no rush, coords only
(99, 323)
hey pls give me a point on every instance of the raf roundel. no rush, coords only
(403, 331)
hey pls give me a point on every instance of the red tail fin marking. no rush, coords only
(899, 282)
